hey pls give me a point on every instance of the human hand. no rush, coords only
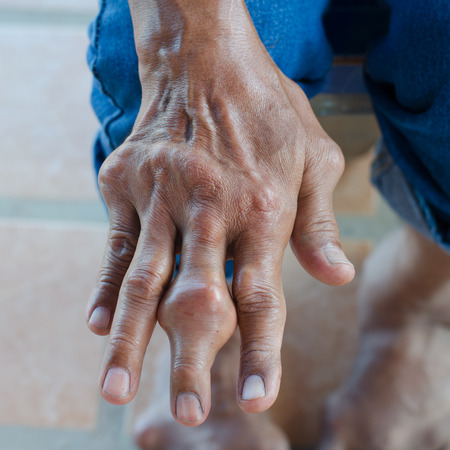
(226, 160)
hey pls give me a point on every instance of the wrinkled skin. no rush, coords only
(227, 426)
(398, 396)
(226, 160)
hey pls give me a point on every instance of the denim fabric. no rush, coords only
(116, 93)
(407, 75)
(401, 196)
(293, 34)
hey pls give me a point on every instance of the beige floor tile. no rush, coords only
(49, 359)
(51, 5)
(46, 122)
(319, 345)
(354, 193)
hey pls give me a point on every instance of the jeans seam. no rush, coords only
(105, 91)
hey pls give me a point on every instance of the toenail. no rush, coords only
(253, 388)
(117, 382)
(100, 318)
(188, 408)
(335, 255)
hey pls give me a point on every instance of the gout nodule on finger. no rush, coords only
(199, 317)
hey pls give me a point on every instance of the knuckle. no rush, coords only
(207, 190)
(108, 174)
(258, 300)
(212, 299)
(334, 158)
(122, 245)
(144, 284)
(328, 157)
(197, 307)
(123, 341)
(187, 367)
(207, 227)
(318, 224)
(259, 350)
(208, 299)
(266, 200)
(112, 171)
(109, 280)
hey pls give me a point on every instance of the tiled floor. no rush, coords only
(52, 231)
(45, 120)
(75, 6)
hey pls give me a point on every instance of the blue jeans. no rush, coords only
(407, 75)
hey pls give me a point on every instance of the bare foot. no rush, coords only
(227, 427)
(240, 431)
(398, 396)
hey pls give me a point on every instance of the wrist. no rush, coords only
(187, 28)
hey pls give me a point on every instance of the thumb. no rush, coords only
(315, 239)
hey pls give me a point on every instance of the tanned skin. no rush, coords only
(226, 160)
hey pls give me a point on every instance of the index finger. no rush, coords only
(135, 317)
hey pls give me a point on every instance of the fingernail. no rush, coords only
(188, 408)
(253, 388)
(335, 255)
(100, 318)
(117, 382)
